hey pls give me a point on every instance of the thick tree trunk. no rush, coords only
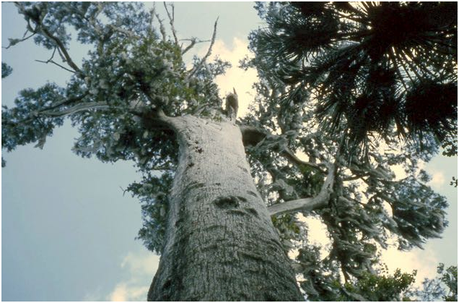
(220, 242)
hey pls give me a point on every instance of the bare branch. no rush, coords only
(40, 28)
(209, 52)
(171, 20)
(161, 25)
(192, 44)
(308, 204)
(53, 62)
(62, 50)
(16, 41)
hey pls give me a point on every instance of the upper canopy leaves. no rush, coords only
(331, 77)
(133, 71)
(370, 67)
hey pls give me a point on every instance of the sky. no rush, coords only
(68, 231)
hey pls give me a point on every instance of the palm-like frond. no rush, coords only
(368, 62)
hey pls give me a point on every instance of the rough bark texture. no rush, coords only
(221, 245)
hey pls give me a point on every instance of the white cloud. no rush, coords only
(140, 268)
(423, 261)
(234, 77)
(128, 292)
(143, 263)
(438, 179)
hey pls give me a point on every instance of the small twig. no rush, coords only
(193, 42)
(53, 62)
(52, 55)
(124, 190)
(16, 41)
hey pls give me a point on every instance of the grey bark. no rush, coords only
(220, 242)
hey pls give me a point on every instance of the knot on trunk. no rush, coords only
(229, 202)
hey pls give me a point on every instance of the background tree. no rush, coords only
(133, 89)
(370, 67)
(441, 288)
(351, 86)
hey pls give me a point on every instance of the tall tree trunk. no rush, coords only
(220, 242)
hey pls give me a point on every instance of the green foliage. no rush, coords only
(132, 71)
(23, 124)
(332, 83)
(153, 192)
(441, 288)
(6, 70)
(368, 67)
(332, 75)
(382, 287)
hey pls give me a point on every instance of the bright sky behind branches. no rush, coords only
(67, 229)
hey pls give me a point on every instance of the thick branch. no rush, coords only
(251, 136)
(75, 109)
(297, 161)
(63, 51)
(307, 204)
(65, 102)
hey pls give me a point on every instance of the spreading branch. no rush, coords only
(252, 136)
(62, 50)
(308, 204)
(293, 159)
(74, 109)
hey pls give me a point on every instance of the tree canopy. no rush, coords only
(334, 78)
(133, 70)
(371, 67)
(353, 86)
